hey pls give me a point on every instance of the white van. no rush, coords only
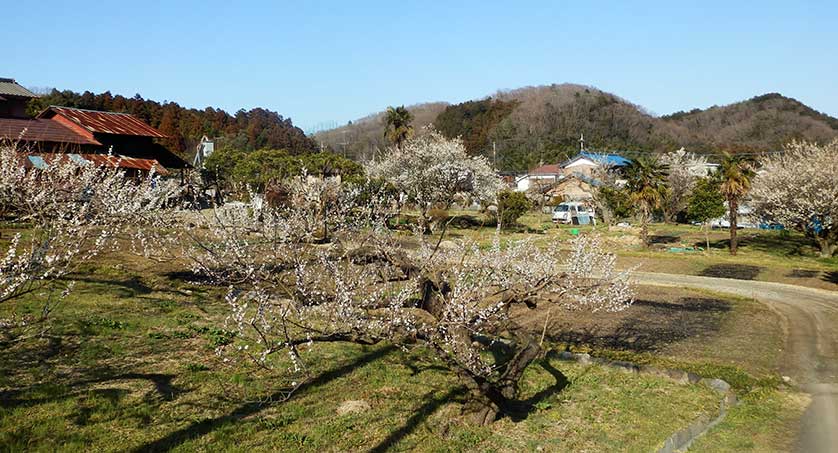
(745, 219)
(564, 212)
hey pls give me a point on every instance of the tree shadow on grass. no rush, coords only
(162, 383)
(663, 239)
(203, 427)
(803, 273)
(784, 245)
(519, 410)
(190, 277)
(647, 326)
(418, 416)
(127, 287)
(734, 271)
(516, 410)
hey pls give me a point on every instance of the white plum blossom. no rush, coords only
(67, 212)
(799, 189)
(291, 285)
(684, 169)
(431, 169)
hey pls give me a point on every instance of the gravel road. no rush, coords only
(810, 324)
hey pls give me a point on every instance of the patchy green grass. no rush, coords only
(759, 423)
(129, 365)
(778, 256)
(742, 347)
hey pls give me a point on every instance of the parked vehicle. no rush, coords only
(565, 212)
(746, 219)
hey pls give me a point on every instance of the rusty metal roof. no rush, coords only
(11, 88)
(104, 122)
(125, 162)
(550, 169)
(41, 130)
(40, 160)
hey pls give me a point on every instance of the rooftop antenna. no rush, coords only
(581, 142)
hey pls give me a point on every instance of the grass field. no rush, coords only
(766, 255)
(129, 365)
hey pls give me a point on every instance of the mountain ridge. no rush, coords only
(519, 128)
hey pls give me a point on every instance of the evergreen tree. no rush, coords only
(706, 204)
(398, 128)
(736, 174)
(646, 186)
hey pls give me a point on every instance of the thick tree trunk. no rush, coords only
(424, 222)
(828, 245)
(488, 400)
(668, 216)
(733, 205)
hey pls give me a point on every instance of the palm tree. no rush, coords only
(646, 185)
(397, 121)
(736, 173)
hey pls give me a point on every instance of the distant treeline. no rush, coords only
(247, 130)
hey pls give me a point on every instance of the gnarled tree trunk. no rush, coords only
(828, 243)
(488, 398)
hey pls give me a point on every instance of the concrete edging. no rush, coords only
(682, 439)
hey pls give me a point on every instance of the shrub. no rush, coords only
(618, 201)
(511, 206)
(437, 215)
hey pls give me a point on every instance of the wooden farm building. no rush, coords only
(88, 134)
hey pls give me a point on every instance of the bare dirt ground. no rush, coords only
(810, 324)
(675, 323)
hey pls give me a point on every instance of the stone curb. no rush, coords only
(679, 441)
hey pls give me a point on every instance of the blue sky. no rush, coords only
(336, 61)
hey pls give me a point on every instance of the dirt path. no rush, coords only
(810, 318)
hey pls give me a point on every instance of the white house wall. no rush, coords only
(583, 162)
(525, 182)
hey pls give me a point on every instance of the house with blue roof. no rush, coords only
(582, 165)
(584, 162)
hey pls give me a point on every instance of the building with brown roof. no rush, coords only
(13, 99)
(120, 133)
(82, 132)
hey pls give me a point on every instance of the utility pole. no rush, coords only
(344, 143)
(494, 155)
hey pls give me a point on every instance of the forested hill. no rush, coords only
(761, 123)
(524, 127)
(361, 138)
(246, 130)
